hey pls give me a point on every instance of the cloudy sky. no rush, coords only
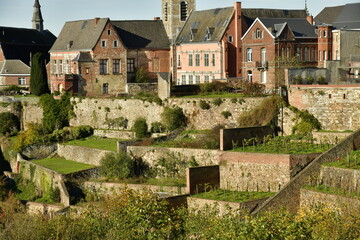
(18, 13)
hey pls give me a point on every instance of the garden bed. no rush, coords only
(62, 165)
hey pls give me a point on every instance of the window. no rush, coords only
(54, 67)
(325, 57)
(60, 67)
(249, 55)
(213, 60)
(230, 38)
(87, 70)
(183, 79)
(313, 54)
(206, 59)
(130, 65)
(105, 88)
(103, 66)
(116, 66)
(263, 55)
(320, 33)
(22, 81)
(325, 33)
(115, 44)
(288, 52)
(263, 77)
(320, 54)
(166, 12)
(197, 60)
(259, 33)
(183, 11)
(179, 60)
(190, 60)
(103, 43)
(249, 76)
(356, 73)
(307, 58)
(67, 67)
(197, 79)
(206, 78)
(191, 79)
(299, 53)
(109, 32)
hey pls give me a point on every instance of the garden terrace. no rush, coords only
(62, 165)
(232, 196)
(352, 161)
(95, 142)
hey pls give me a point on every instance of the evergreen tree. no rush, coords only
(38, 79)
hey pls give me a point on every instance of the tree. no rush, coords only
(173, 118)
(117, 165)
(9, 123)
(38, 78)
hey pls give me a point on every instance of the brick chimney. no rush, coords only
(96, 20)
(310, 19)
(156, 18)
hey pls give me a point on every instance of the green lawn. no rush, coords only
(62, 165)
(218, 95)
(98, 143)
(233, 196)
(335, 191)
(352, 161)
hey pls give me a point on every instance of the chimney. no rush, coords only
(310, 19)
(96, 20)
(156, 18)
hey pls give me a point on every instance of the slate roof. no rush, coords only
(300, 27)
(341, 17)
(142, 34)
(79, 35)
(13, 67)
(213, 21)
(21, 43)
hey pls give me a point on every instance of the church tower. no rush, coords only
(174, 15)
(37, 20)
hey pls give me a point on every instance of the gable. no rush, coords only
(257, 24)
(286, 33)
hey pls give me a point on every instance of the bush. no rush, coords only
(141, 76)
(9, 123)
(217, 101)
(157, 127)
(226, 114)
(204, 105)
(234, 100)
(82, 131)
(173, 118)
(117, 165)
(309, 80)
(321, 80)
(35, 134)
(306, 122)
(298, 79)
(119, 122)
(140, 128)
(206, 88)
(60, 135)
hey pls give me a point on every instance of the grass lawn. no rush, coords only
(233, 196)
(219, 95)
(171, 182)
(98, 143)
(62, 165)
(352, 161)
(331, 190)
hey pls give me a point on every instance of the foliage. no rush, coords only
(351, 161)
(298, 79)
(305, 122)
(204, 105)
(38, 78)
(117, 165)
(173, 118)
(206, 88)
(141, 75)
(217, 101)
(321, 80)
(172, 165)
(82, 131)
(11, 88)
(157, 127)
(226, 114)
(149, 97)
(119, 122)
(57, 113)
(232, 196)
(252, 89)
(35, 134)
(9, 123)
(309, 80)
(4, 190)
(261, 115)
(140, 128)
(62, 165)
(332, 190)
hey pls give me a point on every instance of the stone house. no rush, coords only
(269, 41)
(18, 45)
(99, 56)
(209, 46)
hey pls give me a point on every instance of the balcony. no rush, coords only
(262, 65)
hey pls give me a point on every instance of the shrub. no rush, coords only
(306, 122)
(217, 101)
(119, 122)
(234, 100)
(298, 79)
(226, 114)
(173, 118)
(60, 135)
(35, 134)
(309, 80)
(82, 131)
(38, 79)
(206, 88)
(117, 165)
(140, 128)
(9, 123)
(321, 80)
(157, 127)
(204, 105)
(141, 75)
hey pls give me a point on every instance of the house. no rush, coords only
(99, 56)
(18, 45)
(269, 42)
(209, 46)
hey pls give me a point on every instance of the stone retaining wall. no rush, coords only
(114, 134)
(346, 179)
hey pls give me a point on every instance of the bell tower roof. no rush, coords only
(37, 20)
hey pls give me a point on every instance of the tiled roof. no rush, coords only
(14, 67)
(250, 14)
(145, 34)
(79, 35)
(201, 23)
(299, 26)
(328, 15)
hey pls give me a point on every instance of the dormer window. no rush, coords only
(191, 36)
(192, 33)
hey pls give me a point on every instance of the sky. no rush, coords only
(18, 13)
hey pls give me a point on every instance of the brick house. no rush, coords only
(209, 46)
(269, 40)
(14, 72)
(99, 56)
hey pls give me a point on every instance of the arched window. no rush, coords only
(183, 11)
(166, 12)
